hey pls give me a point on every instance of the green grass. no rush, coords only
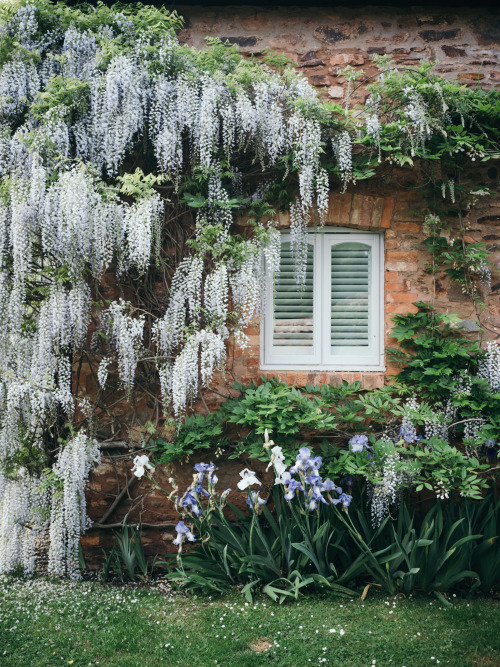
(58, 623)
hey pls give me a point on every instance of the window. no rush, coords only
(335, 321)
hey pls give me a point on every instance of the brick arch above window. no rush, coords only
(358, 211)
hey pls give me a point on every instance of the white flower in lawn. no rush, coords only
(248, 478)
(141, 464)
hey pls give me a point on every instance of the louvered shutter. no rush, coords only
(350, 297)
(293, 305)
(334, 323)
(352, 301)
(292, 334)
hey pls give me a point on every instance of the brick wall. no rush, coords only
(464, 43)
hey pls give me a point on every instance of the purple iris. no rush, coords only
(314, 463)
(313, 479)
(358, 442)
(199, 489)
(304, 454)
(212, 477)
(314, 497)
(293, 486)
(254, 498)
(190, 501)
(183, 533)
(344, 498)
(408, 433)
(328, 485)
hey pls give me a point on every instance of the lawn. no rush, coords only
(57, 623)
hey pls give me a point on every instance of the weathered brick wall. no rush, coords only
(464, 43)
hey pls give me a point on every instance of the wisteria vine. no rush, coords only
(83, 100)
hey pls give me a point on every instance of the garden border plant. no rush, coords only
(298, 537)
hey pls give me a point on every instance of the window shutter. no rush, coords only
(336, 321)
(350, 296)
(293, 305)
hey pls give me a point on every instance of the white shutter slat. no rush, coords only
(350, 295)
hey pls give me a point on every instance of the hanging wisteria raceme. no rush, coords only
(342, 146)
(126, 333)
(299, 242)
(489, 367)
(68, 512)
(23, 520)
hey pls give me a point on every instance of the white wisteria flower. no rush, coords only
(248, 478)
(141, 463)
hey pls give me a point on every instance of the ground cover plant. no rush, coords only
(48, 623)
(126, 161)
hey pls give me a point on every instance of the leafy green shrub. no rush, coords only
(277, 407)
(197, 432)
(433, 351)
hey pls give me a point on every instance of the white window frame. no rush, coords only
(321, 357)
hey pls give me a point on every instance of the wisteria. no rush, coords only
(126, 333)
(489, 366)
(68, 513)
(387, 492)
(23, 507)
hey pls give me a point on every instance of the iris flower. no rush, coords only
(358, 442)
(188, 500)
(248, 478)
(292, 486)
(140, 465)
(183, 533)
(278, 461)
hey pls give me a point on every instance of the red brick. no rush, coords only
(408, 226)
(387, 212)
(301, 379)
(362, 210)
(400, 309)
(402, 297)
(402, 256)
(339, 208)
(393, 276)
(377, 212)
(402, 267)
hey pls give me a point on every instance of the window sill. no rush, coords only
(312, 368)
